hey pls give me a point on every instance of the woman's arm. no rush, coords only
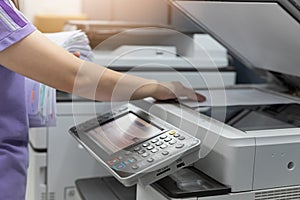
(38, 58)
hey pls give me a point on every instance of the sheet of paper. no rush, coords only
(233, 97)
(73, 41)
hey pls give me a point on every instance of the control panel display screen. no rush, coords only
(123, 132)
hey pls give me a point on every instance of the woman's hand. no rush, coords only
(174, 90)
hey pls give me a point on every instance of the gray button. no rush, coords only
(154, 140)
(168, 139)
(150, 147)
(134, 167)
(181, 138)
(142, 151)
(163, 146)
(165, 153)
(150, 160)
(159, 143)
(144, 155)
(172, 142)
(154, 150)
(137, 148)
(179, 146)
(146, 144)
(176, 135)
(131, 160)
(163, 137)
(195, 141)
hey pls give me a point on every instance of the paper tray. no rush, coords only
(189, 182)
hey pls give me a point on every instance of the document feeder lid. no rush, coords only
(263, 34)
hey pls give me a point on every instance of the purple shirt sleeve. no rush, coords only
(13, 25)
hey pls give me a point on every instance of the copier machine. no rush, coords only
(253, 149)
(249, 143)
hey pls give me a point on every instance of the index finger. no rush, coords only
(193, 95)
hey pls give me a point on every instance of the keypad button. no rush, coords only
(181, 138)
(131, 160)
(165, 153)
(168, 139)
(154, 140)
(150, 147)
(172, 132)
(154, 150)
(176, 135)
(119, 166)
(195, 141)
(159, 143)
(163, 137)
(172, 142)
(113, 161)
(144, 155)
(142, 151)
(150, 160)
(146, 144)
(179, 146)
(163, 146)
(134, 167)
(137, 148)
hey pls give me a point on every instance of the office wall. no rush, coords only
(97, 9)
(61, 7)
(154, 11)
(144, 11)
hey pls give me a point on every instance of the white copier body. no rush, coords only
(257, 164)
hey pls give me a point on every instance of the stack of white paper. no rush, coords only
(73, 41)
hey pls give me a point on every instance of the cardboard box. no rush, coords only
(48, 23)
(98, 30)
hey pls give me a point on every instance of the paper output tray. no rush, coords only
(189, 182)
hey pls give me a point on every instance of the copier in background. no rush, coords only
(250, 135)
(167, 55)
(56, 160)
